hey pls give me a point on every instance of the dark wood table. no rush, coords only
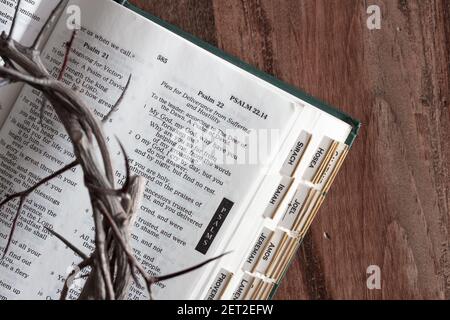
(390, 204)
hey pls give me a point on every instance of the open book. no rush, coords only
(235, 161)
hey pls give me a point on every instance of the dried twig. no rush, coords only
(62, 71)
(4, 82)
(80, 267)
(14, 21)
(45, 31)
(22, 196)
(112, 264)
(67, 243)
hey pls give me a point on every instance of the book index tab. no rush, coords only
(252, 259)
(278, 196)
(219, 285)
(243, 287)
(296, 154)
(318, 158)
(296, 206)
(333, 167)
(270, 251)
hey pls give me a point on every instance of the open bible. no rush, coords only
(234, 160)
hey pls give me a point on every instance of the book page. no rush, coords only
(32, 16)
(188, 123)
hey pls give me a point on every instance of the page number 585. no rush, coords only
(162, 59)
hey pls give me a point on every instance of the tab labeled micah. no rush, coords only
(259, 246)
(296, 154)
(219, 284)
(278, 196)
(318, 157)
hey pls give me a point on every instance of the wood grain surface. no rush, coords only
(390, 204)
